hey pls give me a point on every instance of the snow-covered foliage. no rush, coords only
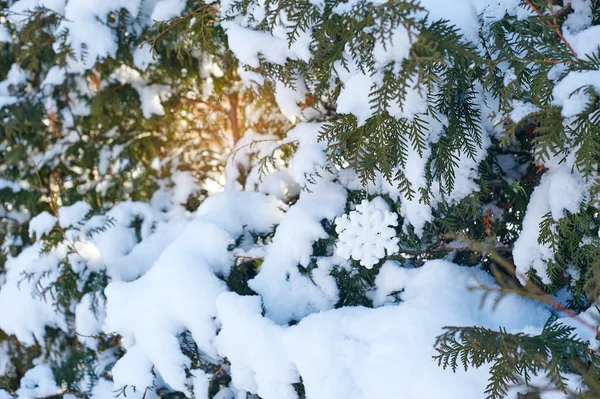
(425, 195)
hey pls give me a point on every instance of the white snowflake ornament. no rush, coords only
(365, 234)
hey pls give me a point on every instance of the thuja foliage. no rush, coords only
(94, 137)
(163, 108)
(445, 68)
(507, 83)
(474, 134)
(555, 351)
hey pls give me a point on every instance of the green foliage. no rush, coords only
(383, 141)
(520, 61)
(91, 139)
(115, 153)
(220, 375)
(240, 274)
(514, 358)
(353, 285)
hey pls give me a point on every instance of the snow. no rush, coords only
(490, 10)
(5, 362)
(88, 33)
(87, 322)
(38, 382)
(185, 186)
(5, 35)
(567, 93)
(42, 224)
(104, 390)
(578, 31)
(150, 95)
(231, 211)
(288, 98)
(251, 145)
(463, 14)
(14, 187)
(248, 45)
(396, 50)
(20, 313)
(167, 9)
(521, 110)
(140, 259)
(354, 98)
(148, 324)
(16, 76)
(168, 275)
(286, 293)
(55, 76)
(340, 354)
(548, 197)
(186, 269)
(86, 23)
(142, 57)
(19, 10)
(280, 185)
(73, 214)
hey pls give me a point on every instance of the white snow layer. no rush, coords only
(73, 214)
(21, 313)
(42, 224)
(366, 353)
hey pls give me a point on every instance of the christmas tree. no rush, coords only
(299, 199)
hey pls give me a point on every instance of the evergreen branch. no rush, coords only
(521, 356)
(176, 21)
(531, 290)
(552, 26)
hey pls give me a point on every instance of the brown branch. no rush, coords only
(558, 31)
(232, 114)
(563, 11)
(217, 373)
(198, 101)
(538, 293)
(552, 26)
(535, 61)
(441, 249)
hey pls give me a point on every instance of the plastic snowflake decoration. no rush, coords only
(365, 234)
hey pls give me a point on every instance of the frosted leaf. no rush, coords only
(365, 234)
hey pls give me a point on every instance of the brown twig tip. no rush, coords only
(529, 289)
(216, 373)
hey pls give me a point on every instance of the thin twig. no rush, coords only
(440, 249)
(217, 373)
(554, 27)
(538, 293)
(177, 21)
